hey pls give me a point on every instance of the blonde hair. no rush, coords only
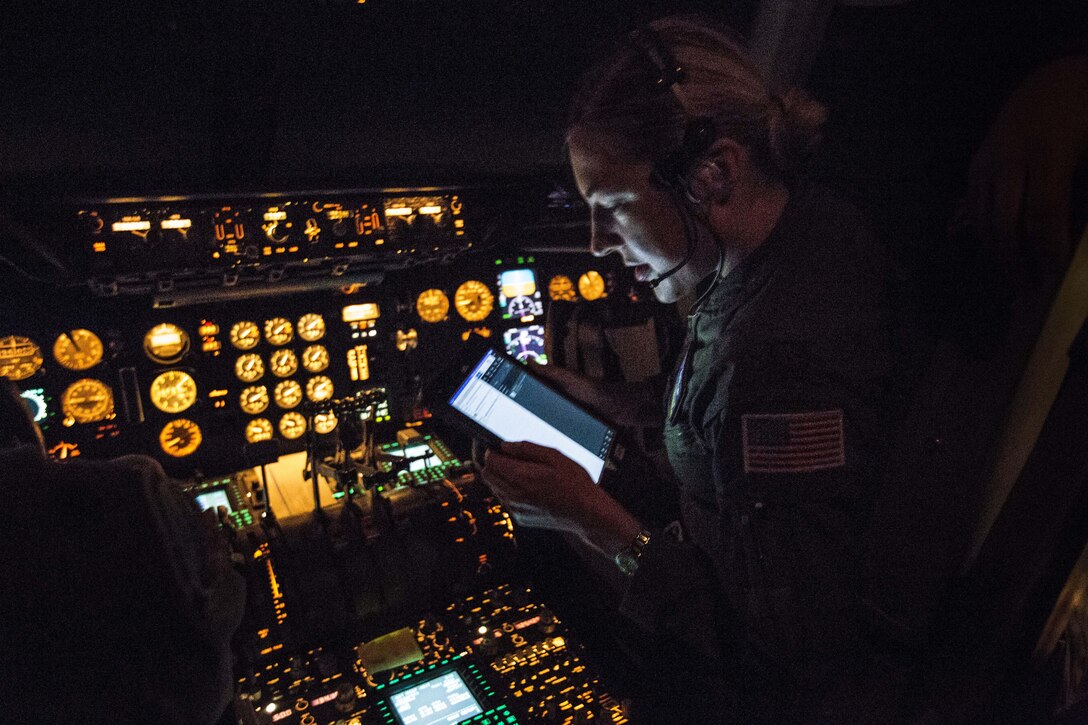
(622, 99)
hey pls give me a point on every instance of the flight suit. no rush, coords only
(777, 420)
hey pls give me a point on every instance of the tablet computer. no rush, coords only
(502, 400)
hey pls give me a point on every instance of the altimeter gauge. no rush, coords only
(432, 305)
(284, 363)
(173, 391)
(315, 358)
(87, 401)
(20, 357)
(311, 327)
(258, 429)
(78, 349)
(591, 285)
(245, 335)
(166, 343)
(288, 394)
(253, 399)
(292, 426)
(180, 437)
(278, 331)
(249, 367)
(324, 422)
(473, 300)
(319, 388)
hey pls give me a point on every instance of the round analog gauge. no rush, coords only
(87, 401)
(166, 343)
(278, 331)
(258, 429)
(315, 358)
(433, 305)
(325, 422)
(249, 367)
(473, 300)
(245, 335)
(78, 349)
(292, 426)
(173, 391)
(319, 388)
(283, 363)
(180, 437)
(253, 399)
(561, 289)
(20, 357)
(311, 327)
(288, 394)
(591, 285)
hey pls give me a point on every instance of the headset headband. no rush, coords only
(699, 132)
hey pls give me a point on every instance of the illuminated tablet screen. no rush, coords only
(505, 400)
(444, 700)
(213, 500)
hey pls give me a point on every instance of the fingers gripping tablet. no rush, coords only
(501, 400)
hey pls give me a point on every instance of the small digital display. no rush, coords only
(420, 455)
(213, 500)
(444, 700)
(519, 295)
(525, 343)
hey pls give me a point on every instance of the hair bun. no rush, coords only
(794, 128)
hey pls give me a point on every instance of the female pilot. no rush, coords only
(777, 409)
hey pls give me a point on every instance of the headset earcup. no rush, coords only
(708, 183)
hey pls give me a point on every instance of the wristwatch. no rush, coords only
(628, 557)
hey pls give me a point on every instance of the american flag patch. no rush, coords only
(793, 442)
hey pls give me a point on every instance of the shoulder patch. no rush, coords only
(793, 442)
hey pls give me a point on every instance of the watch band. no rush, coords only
(628, 558)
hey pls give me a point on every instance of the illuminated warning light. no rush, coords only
(339, 245)
(207, 329)
(429, 210)
(176, 223)
(338, 214)
(217, 393)
(266, 251)
(64, 450)
(361, 312)
(211, 346)
(353, 245)
(131, 226)
(379, 242)
(399, 211)
(215, 255)
(358, 363)
(275, 215)
(99, 246)
(459, 223)
(292, 249)
(323, 699)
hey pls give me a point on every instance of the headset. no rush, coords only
(707, 182)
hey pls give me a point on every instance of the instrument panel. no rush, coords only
(195, 386)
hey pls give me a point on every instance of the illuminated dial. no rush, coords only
(324, 422)
(173, 391)
(561, 289)
(319, 388)
(433, 305)
(180, 437)
(288, 394)
(278, 331)
(315, 358)
(522, 307)
(591, 285)
(292, 426)
(245, 335)
(254, 399)
(473, 300)
(283, 363)
(249, 367)
(311, 327)
(20, 357)
(258, 429)
(166, 343)
(78, 349)
(87, 401)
